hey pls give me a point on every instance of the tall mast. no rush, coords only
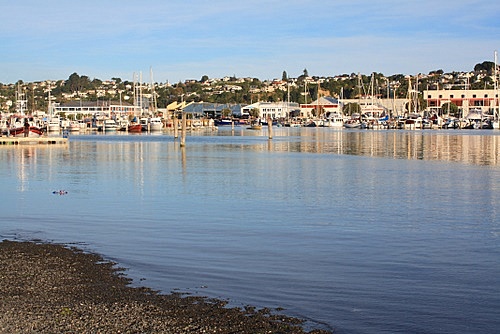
(50, 102)
(305, 91)
(496, 107)
(288, 99)
(373, 89)
(318, 111)
(416, 95)
(140, 91)
(153, 93)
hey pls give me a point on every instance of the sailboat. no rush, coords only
(155, 122)
(355, 121)
(54, 123)
(23, 126)
(371, 111)
(414, 119)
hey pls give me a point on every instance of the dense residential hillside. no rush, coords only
(238, 90)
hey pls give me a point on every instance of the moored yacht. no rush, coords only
(155, 124)
(110, 125)
(54, 125)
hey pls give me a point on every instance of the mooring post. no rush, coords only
(176, 126)
(183, 130)
(270, 127)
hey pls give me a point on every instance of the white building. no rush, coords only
(95, 108)
(274, 110)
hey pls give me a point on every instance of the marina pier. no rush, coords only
(33, 141)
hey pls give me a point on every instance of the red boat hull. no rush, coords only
(135, 128)
(19, 132)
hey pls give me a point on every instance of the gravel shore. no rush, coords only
(48, 288)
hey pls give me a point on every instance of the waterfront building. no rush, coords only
(212, 110)
(324, 106)
(95, 108)
(481, 101)
(274, 110)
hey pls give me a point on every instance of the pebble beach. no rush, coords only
(51, 288)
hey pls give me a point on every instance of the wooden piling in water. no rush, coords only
(183, 130)
(270, 127)
(176, 126)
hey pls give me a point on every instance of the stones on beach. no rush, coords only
(48, 288)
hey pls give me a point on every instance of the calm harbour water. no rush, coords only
(357, 231)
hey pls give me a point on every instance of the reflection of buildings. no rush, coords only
(27, 160)
(452, 146)
(30, 161)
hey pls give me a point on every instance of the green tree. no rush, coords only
(254, 112)
(76, 83)
(351, 108)
(284, 76)
(96, 83)
(487, 66)
(449, 109)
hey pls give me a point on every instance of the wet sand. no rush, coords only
(48, 288)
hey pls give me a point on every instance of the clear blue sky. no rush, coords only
(51, 39)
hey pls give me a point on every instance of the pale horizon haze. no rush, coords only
(179, 40)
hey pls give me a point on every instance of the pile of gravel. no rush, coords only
(48, 288)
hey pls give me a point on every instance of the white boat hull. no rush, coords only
(156, 127)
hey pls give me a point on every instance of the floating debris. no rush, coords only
(59, 192)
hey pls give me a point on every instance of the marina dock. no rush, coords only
(33, 141)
